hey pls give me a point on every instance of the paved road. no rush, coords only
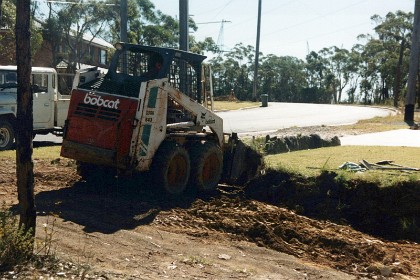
(47, 140)
(283, 115)
(276, 116)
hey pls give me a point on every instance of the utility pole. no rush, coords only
(123, 17)
(183, 25)
(413, 69)
(257, 52)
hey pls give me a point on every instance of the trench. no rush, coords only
(391, 212)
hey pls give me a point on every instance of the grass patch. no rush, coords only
(311, 163)
(379, 124)
(38, 153)
(234, 105)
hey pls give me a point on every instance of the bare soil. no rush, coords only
(124, 229)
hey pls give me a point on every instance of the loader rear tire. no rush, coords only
(95, 173)
(85, 170)
(7, 135)
(171, 168)
(206, 166)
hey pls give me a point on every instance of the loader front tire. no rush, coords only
(206, 166)
(171, 168)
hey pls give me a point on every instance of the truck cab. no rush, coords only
(49, 106)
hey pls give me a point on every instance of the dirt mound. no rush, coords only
(280, 229)
(388, 212)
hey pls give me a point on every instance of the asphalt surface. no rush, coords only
(282, 115)
(398, 138)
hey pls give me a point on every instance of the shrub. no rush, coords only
(16, 246)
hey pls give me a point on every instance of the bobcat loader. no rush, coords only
(152, 111)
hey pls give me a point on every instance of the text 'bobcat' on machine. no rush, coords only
(151, 112)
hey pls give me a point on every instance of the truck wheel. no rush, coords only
(171, 168)
(7, 135)
(206, 166)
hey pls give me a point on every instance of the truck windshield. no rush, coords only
(8, 79)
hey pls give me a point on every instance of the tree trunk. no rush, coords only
(397, 86)
(413, 69)
(24, 164)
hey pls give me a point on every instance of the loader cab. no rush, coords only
(133, 64)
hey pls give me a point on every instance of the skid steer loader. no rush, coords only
(152, 111)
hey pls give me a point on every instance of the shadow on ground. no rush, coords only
(108, 206)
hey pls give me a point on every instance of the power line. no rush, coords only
(223, 8)
(79, 3)
(312, 19)
(215, 9)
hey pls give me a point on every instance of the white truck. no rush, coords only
(49, 106)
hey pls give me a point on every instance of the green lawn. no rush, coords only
(38, 153)
(234, 105)
(312, 162)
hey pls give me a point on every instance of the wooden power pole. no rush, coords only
(413, 69)
(24, 149)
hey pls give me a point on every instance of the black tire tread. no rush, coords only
(160, 164)
(198, 153)
(6, 124)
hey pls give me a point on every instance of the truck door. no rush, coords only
(43, 101)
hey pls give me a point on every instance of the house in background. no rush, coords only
(95, 53)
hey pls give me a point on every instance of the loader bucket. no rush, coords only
(241, 163)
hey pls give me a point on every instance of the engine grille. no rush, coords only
(92, 111)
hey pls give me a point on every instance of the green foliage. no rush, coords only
(373, 72)
(8, 38)
(15, 245)
(69, 26)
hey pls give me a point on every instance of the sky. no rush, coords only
(288, 27)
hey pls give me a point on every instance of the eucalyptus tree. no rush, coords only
(394, 33)
(200, 47)
(375, 78)
(283, 78)
(71, 25)
(353, 67)
(318, 78)
(8, 34)
(340, 69)
(218, 67)
(238, 68)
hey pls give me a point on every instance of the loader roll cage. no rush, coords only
(133, 64)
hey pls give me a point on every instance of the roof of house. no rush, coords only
(98, 41)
